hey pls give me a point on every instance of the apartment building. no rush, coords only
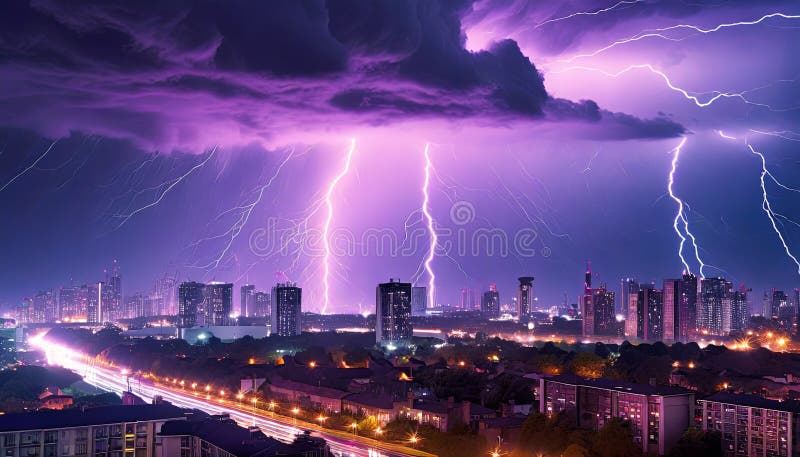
(658, 415)
(108, 431)
(753, 425)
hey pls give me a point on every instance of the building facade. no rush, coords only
(393, 312)
(285, 315)
(658, 415)
(419, 300)
(130, 430)
(753, 426)
(490, 303)
(525, 298)
(218, 303)
(247, 301)
(191, 296)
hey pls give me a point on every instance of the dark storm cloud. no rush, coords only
(187, 73)
(554, 27)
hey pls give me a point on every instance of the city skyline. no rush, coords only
(642, 152)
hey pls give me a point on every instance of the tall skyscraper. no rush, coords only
(163, 296)
(687, 308)
(490, 303)
(587, 304)
(779, 299)
(247, 303)
(714, 306)
(627, 287)
(45, 307)
(72, 302)
(218, 303)
(191, 297)
(261, 303)
(680, 308)
(95, 314)
(605, 319)
(740, 310)
(525, 298)
(135, 305)
(646, 314)
(393, 312)
(112, 293)
(286, 313)
(419, 300)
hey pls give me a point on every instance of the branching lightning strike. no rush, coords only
(326, 242)
(29, 167)
(767, 206)
(434, 239)
(172, 183)
(659, 33)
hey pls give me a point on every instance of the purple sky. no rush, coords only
(186, 131)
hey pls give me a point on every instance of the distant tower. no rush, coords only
(525, 298)
(490, 303)
(247, 305)
(218, 303)
(190, 302)
(393, 312)
(286, 310)
(587, 305)
(419, 300)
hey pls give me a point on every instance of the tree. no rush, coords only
(575, 450)
(695, 441)
(615, 440)
(588, 365)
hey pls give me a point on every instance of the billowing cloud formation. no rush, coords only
(185, 74)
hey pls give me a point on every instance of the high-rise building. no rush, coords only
(714, 306)
(95, 313)
(112, 293)
(393, 312)
(286, 310)
(740, 310)
(605, 319)
(24, 311)
(646, 314)
(135, 306)
(261, 304)
(45, 307)
(687, 308)
(680, 308)
(627, 287)
(525, 298)
(490, 303)
(72, 302)
(218, 303)
(163, 296)
(419, 301)
(191, 300)
(587, 303)
(779, 299)
(247, 303)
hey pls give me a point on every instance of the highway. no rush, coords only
(114, 380)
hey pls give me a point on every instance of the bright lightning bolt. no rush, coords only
(173, 183)
(588, 13)
(245, 211)
(658, 33)
(680, 215)
(434, 239)
(767, 206)
(28, 168)
(689, 95)
(326, 243)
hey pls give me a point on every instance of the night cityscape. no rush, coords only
(389, 228)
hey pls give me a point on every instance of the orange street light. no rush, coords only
(312, 364)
